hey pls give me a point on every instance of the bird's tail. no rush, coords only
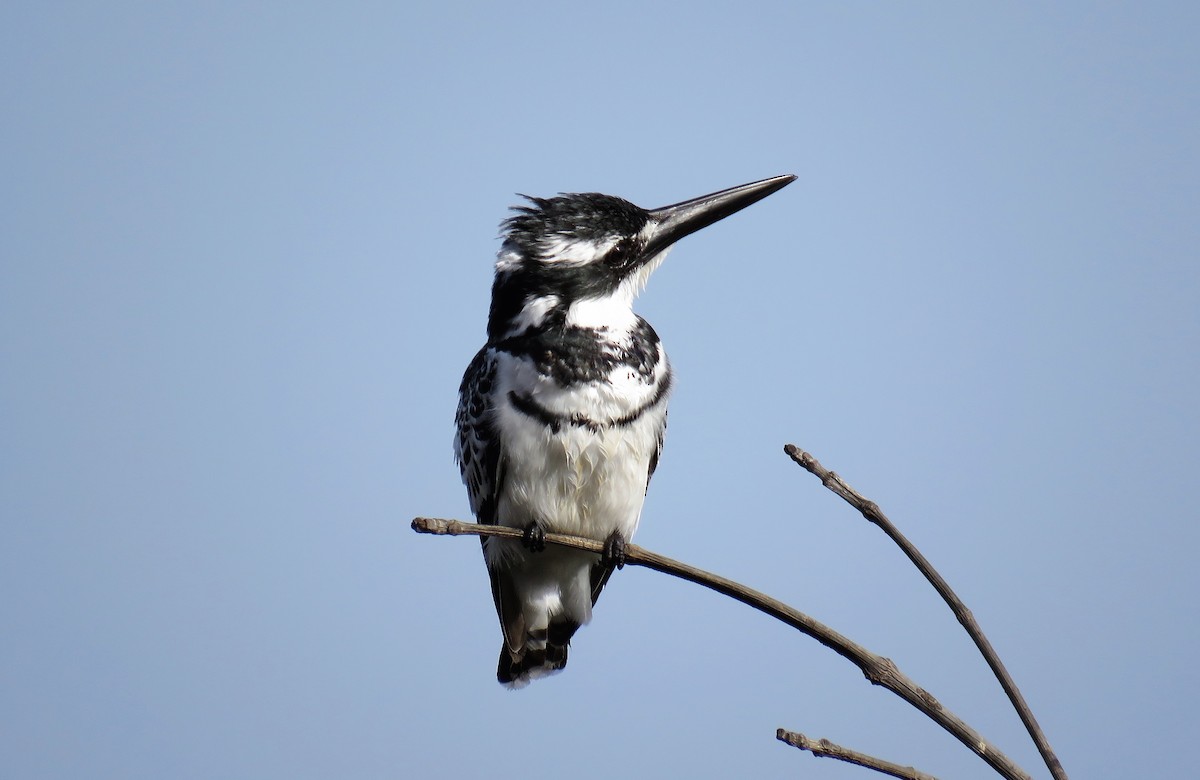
(543, 653)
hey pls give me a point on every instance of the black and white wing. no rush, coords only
(477, 445)
(479, 452)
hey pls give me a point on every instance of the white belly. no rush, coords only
(579, 480)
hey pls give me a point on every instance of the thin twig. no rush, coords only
(823, 748)
(876, 668)
(871, 511)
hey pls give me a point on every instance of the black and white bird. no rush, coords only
(561, 415)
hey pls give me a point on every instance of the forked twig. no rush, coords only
(876, 668)
(823, 748)
(871, 511)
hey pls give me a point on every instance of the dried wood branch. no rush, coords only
(879, 670)
(823, 748)
(871, 511)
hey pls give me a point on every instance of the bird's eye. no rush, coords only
(620, 255)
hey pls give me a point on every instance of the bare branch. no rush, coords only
(871, 511)
(877, 669)
(823, 748)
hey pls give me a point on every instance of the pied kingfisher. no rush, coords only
(561, 415)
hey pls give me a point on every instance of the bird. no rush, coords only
(562, 412)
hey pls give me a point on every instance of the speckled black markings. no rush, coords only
(483, 470)
(572, 356)
(555, 422)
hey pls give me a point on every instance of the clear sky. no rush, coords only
(246, 254)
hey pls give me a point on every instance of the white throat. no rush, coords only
(614, 312)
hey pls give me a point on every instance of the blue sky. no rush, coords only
(246, 254)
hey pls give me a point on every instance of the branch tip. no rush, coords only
(430, 525)
(874, 514)
(823, 748)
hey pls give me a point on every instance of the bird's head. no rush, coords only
(590, 251)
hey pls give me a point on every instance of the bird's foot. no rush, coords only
(614, 551)
(535, 537)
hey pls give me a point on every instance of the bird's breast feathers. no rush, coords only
(578, 456)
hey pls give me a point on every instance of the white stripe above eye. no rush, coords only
(572, 251)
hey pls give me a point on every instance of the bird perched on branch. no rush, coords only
(561, 414)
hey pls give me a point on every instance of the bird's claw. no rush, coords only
(614, 554)
(535, 537)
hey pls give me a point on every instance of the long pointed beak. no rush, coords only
(682, 219)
